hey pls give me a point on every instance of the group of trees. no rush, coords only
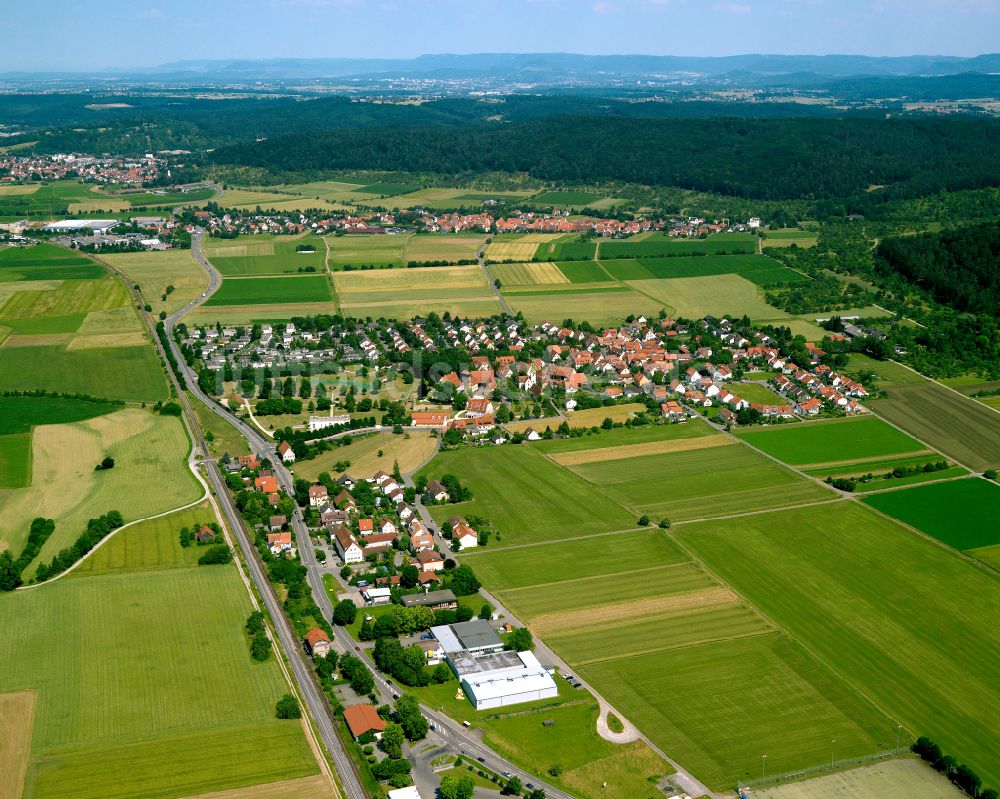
(356, 672)
(960, 774)
(407, 664)
(96, 530)
(11, 569)
(260, 644)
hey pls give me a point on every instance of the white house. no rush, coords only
(286, 452)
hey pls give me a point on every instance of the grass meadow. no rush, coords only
(410, 450)
(887, 610)
(267, 255)
(154, 271)
(146, 695)
(149, 477)
(268, 290)
(858, 439)
(526, 497)
(959, 513)
(662, 245)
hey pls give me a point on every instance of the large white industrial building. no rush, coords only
(76, 225)
(490, 676)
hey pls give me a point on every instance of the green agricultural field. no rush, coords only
(152, 544)
(15, 460)
(894, 615)
(758, 269)
(154, 271)
(584, 271)
(279, 255)
(960, 513)
(367, 250)
(966, 431)
(526, 497)
(129, 373)
(568, 249)
(46, 262)
(602, 593)
(888, 374)
(572, 199)
(556, 562)
(862, 438)
(50, 200)
(700, 483)
(717, 295)
(599, 306)
(450, 247)
(783, 703)
(660, 633)
(661, 245)
(171, 198)
(168, 717)
(623, 437)
(272, 290)
(790, 236)
(149, 477)
(386, 189)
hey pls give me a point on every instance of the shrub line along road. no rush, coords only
(447, 729)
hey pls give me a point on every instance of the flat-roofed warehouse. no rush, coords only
(490, 676)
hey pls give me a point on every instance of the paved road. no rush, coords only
(302, 670)
(456, 735)
(481, 259)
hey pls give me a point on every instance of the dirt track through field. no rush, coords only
(638, 450)
(574, 621)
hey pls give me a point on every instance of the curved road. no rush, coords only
(456, 735)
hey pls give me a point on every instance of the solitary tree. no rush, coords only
(288, 708)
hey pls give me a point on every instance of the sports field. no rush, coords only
(835, 441)
(149, 451)
(409, 450)
(271, 290)
(526, 497)
(155, 271)
(146, 695)
(965, 430)
(960, 513)
(888, 611)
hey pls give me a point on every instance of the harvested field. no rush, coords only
(318, 787)
(966, 431)
(530, 274)
(107, 340)
(517, 248)
(442, 247)
(405, 280)
(572, 621)
(598, 306)
(17, 718)
(639, 450)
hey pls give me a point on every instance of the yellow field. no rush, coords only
(109, 205)
(17, 718)
(638, 450)
(520, 249)
(894, 779)
(527, 274)
(403, 280)
(111, 320)
(94, 342)
(154, 271)
(318, 787)
(149, 477)
(14, 191)
(411, 449)
(592, 416)
(576, 620)
(442, 247)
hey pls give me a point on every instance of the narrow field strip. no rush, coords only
(638, 450)
(552, 624)
(862, 461)
(17, 719)
(647, 636)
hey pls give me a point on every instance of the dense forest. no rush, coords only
(868, 161)
(960, 268)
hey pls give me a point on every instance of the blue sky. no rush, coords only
(64, 34)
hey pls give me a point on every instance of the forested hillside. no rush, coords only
(960, 267)
(867, 159)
